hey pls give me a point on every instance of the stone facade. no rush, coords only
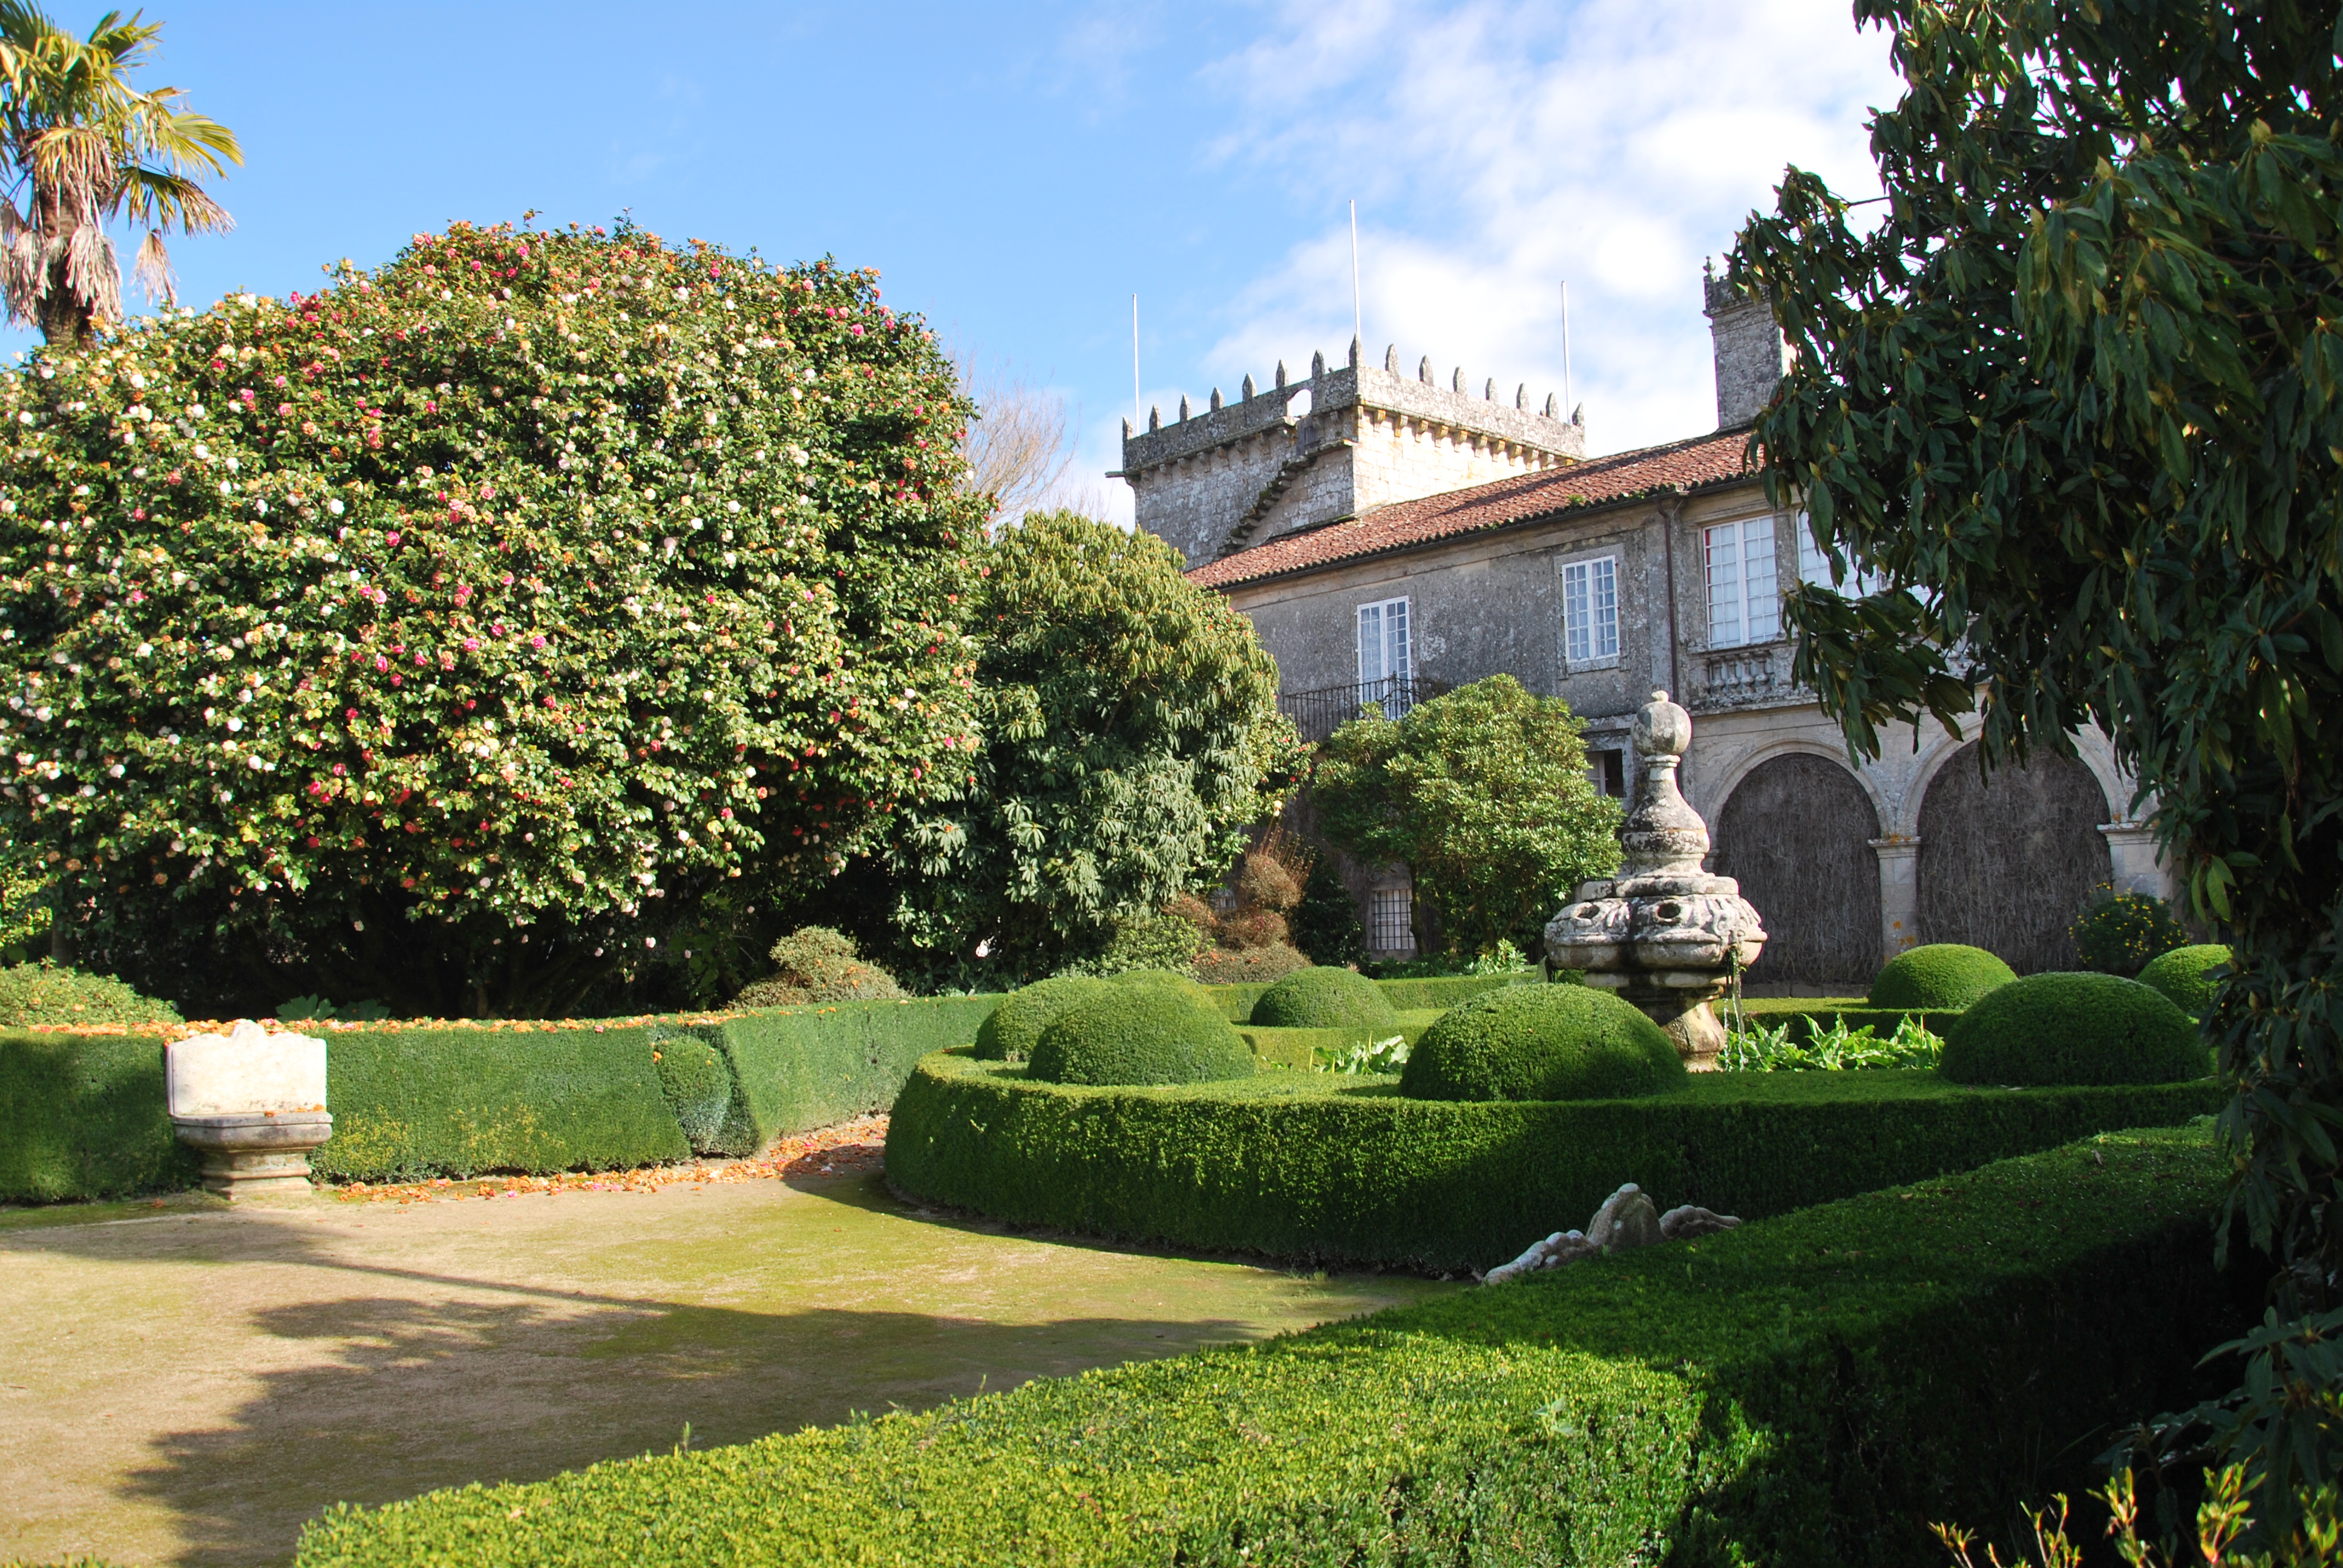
(1485, 599)
(1341, 444)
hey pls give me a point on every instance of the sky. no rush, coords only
(1018, 172)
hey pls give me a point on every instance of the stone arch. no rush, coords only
(1740, 764)
(2006, 864)
(1797, 834)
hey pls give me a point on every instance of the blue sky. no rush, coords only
(1018, 172)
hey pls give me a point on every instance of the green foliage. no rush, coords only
(2096, 311)
(1139, 1034)
(815, 964)
(1147, 940)
(1755, 1048)
(47, 993)
(24, 899)
(1009, 1032)
(1326, 998)
(1374, 1058)
(1325, 924)
(2119, 933)
(383, 622)
(697, 1082)
(2075, 1029)
(1130, 737)
(1483, 793)
(1543, 1042)
(1171, 980)
(86, 1116)
(1250, 966)
(1939, 977)
(1775, 1395)
(304, 1009)
(2181, 973)
(800, 1069)
(1447, 991)
(1332, 1168)
(420, 1100)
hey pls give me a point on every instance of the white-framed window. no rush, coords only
(1814, 565)
(1390, 919)
(1386, 658)
(1590, 611)
(1744, 599)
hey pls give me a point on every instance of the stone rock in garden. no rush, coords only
(1562, 1247)
(1627, 1220)
(1686, 1222)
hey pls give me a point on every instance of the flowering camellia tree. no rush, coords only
(415, 639)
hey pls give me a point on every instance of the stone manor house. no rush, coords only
(1391, 537)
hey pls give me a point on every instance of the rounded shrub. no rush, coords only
(1138, 1035)
(47, 993)
(1542, 1042)
(1188, 986)
(2180, 976)
(698, 1083)
(1009, 1034)
(1941, 977)
(2072, 1028)
(1324, 998)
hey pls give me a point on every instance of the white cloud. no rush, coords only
(1497, 148)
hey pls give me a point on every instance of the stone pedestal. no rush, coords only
(2132, 864)
(253, 1105)
(1665, 934)
(255, 1154)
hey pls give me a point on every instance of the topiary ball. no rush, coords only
(1325, 997)
(1008, 1035)
(2180, 976)
(1542, 1042)
(1138, 1035)
(2073, 1029)
(1942, 977)
(1194, 989)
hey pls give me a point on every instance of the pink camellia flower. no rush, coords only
(856, 330)
(381, 663)
(391, 539)
(284, 409)
(498, 629)
(537, 642)
(422, 659)
(399, 680)
(471, 645)
(338, 767)
(429, 407)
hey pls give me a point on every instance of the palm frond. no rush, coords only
(93, 274)
(162, 199)
(152, 270)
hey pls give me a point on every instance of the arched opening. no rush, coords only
(2006, 865)
(1796, 835)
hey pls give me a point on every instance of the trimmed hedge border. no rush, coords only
(1327, 1169)
(84, 1115)
(1808, 1389)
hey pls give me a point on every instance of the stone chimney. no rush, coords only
(1750, 353)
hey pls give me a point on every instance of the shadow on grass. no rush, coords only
(418, 1379)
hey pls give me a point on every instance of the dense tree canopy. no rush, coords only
(1483, 793)
(444, 636)
(1131, 736)
(2078, 394)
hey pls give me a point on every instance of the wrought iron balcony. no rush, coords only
(1319, 713)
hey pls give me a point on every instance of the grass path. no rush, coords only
(181, 1383)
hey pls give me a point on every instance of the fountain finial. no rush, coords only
(1663, 934)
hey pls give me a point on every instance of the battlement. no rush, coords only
(1749, 351)
(1347, 440)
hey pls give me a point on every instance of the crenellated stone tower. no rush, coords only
(1340, 444)
(1750, 355)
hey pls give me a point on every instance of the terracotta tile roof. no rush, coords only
(1702, 461)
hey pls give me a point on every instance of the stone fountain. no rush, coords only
(1663, 934)
(252, 1104)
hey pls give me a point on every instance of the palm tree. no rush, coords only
(80, 146)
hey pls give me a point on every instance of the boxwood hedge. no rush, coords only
(83, 1115)
(1312, 1166)
(1810, 1389)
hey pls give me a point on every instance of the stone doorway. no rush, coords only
(1797, 834)
(2006, 865)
